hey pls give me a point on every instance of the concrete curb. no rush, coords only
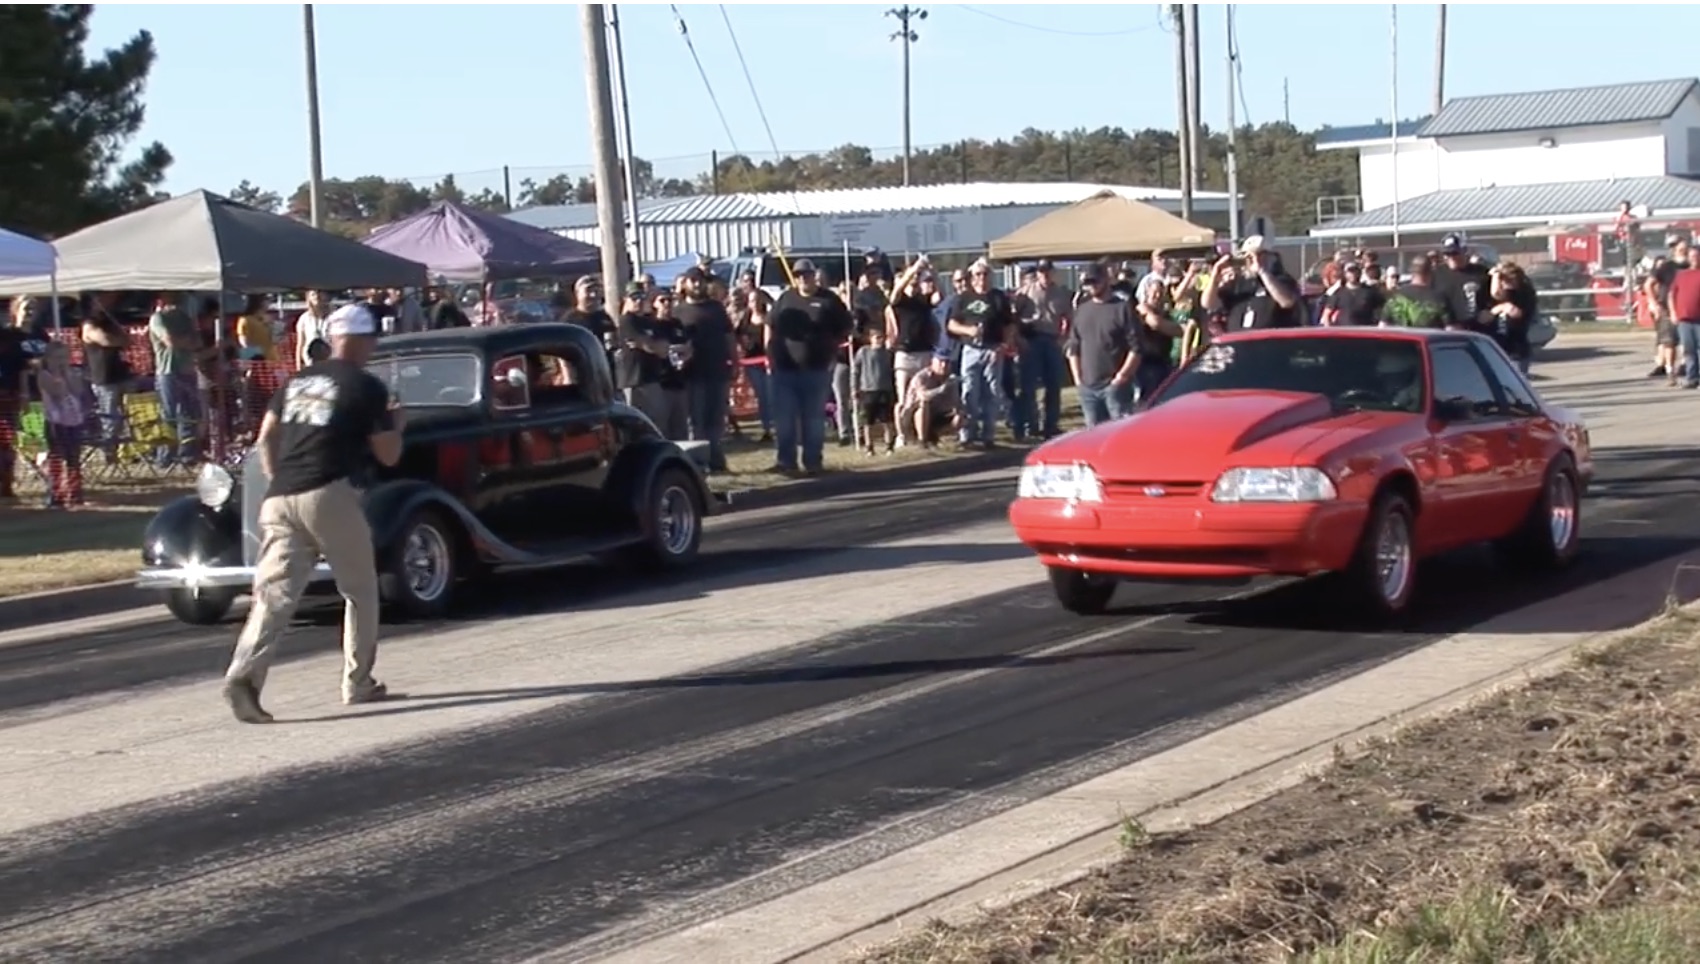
(58, 605)
(1096, 851)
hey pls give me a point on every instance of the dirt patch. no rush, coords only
(1558, 823)
(54, 549)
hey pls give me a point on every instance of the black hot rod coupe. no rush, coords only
(518, 453)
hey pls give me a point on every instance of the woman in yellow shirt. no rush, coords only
(254, 331)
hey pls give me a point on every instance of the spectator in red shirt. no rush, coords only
(1683, 303)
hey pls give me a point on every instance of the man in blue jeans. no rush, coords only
(805, 326)
(1683, 303)
(177, 347)
(984, 318)
(1043, 309)
(1100, 350)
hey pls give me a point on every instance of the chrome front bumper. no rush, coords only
(210, 577)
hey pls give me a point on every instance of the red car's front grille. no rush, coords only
(1121, 491)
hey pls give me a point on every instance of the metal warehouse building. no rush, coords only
(935, 218)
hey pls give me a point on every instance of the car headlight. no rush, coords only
(1300, 484)
(1074, 481)
(213, 485)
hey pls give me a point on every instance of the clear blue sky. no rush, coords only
(418, 91)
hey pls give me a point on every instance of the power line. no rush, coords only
(743, 65)
(1239, 68)
(1052, 30)
(679, 19)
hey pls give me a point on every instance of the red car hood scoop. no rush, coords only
(1192, 438)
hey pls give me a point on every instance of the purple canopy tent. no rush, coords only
(466, 244)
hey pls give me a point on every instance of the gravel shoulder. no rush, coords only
(1557, 823)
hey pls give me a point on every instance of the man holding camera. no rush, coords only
(1260, 295)
(1044, 310)
(985, 322)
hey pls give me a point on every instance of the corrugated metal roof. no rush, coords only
(1523, 204)
(1553, 109)
(567, 217)
(1378, 131)
(944, 197)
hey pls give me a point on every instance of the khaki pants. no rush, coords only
(294, 531)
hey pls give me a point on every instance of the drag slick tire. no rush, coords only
(1081, 593)
(205, 608)
(1383, 575)
(417, 574)
(672, 525)
(1550, 536)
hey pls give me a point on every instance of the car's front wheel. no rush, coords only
(203, 608)
(417, 575)
(1383, 574)
(1081, 592)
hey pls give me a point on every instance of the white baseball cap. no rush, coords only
(352, 319)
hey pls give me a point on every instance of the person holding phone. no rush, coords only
(1261, 294)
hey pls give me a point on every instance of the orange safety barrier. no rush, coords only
(743, 404)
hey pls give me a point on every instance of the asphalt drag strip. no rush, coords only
(627, 810)
(116, 661)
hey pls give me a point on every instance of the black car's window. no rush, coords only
(1375, 374)
(1460, 381)
(421, 381)
(510, 384)
(558, 376)
(1519, 397)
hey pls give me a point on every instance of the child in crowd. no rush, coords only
(62, 392)
(874, 374)
(932, 403)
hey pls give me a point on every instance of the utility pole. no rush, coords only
(634, 239)
(1232, 163)
(905, 14)
(1183, 126)
(1195, 101)
(1440, 62)
(315, 149)
(1287, 99)
(599, 85)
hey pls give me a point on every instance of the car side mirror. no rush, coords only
(1451, 409)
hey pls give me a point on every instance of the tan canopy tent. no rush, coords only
(1104, 224)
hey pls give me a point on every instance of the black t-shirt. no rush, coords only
(326, 414)
(869, 309)
(917, 330)
(1662, 277)
(1513, 333)
(1247, 303)
(804, 331)
(1468, 291)
(444, 313)
(1358, 306)
(14, 358)
(634, 366)
(671, 331)
(990, 314)
(596, 322)
(106, 365)
(709, 328)
(1153, 345)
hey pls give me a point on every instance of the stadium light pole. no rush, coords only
(905, 14)
(315, 149)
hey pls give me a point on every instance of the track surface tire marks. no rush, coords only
(331, 861)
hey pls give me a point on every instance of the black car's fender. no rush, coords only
(185, 532)
(389, 505)
(637, 465)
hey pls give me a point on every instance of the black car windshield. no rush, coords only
(1375, 374)
(418, 381)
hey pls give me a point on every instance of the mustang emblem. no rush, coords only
(1155, 491)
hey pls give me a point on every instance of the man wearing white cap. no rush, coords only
(320, 431)
(1261, 296)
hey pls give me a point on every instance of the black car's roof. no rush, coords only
(1368, 334)
(490, 339)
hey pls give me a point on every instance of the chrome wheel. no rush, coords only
(1393, 556)
(426, 562)
(676, 521)
(1561, 510)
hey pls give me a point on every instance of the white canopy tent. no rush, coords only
(25, 257)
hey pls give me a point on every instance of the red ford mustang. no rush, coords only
(1349, 451)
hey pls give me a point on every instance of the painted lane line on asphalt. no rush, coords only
(225, 885)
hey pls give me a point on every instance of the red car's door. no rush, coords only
(1536, 437)
(1478, 447)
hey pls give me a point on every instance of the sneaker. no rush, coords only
(244, 701)
(376, 693)
(1657, 371)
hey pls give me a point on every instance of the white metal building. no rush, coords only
(935, 218)
(1526, 158)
